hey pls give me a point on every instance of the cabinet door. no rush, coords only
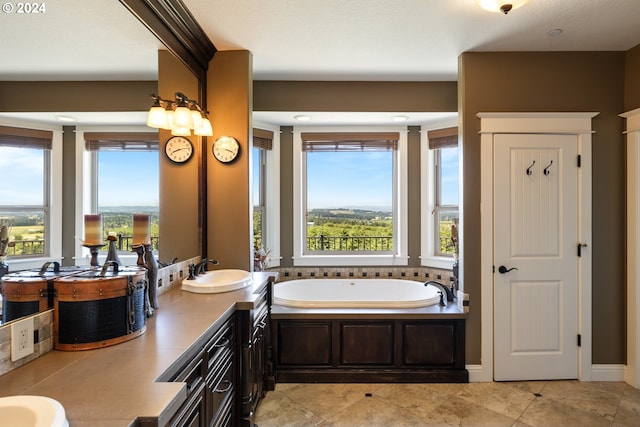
(192, 413)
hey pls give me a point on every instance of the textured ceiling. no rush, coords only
(399, 40)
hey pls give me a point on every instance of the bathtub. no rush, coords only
(354, 293)
(365, 330)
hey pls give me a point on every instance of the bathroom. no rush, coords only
(606, 86)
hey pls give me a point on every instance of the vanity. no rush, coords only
(201, 362)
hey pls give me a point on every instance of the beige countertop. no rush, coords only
(113, 386)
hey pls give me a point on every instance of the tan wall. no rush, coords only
(632, 79)
(229, 99)
(352, 96)
(76, 96)
(560, 81)
(179, 184)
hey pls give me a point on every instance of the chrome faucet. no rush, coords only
(447, 291)
(201, 267)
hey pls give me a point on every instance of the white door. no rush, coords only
(535, 257)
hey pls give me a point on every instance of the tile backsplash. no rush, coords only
(43, 324)
(408, 273)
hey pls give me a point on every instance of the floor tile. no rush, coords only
(515, 404)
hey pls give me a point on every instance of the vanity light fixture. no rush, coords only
(180, 116)
(504, 6)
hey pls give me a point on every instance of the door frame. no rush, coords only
(579, 124)
(632, 369)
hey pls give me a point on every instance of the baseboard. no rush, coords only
(478, 375)
(611, 372)
(607, 372)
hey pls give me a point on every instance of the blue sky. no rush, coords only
(357, 179)
(350, 179)
(21, 176)
(128, 179)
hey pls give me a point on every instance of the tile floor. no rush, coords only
(520, 404)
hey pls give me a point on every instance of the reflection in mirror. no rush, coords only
(104, 82)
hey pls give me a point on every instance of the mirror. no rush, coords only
(100, 70)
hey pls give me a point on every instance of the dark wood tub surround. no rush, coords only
(366, 346)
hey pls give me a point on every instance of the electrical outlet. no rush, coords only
(21, 338)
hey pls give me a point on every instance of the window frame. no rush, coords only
(53, 192)
(271, 187)
(400, 256)
(430, 254)
(87, 190)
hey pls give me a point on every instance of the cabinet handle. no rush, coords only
(228, 383)
(222, 343)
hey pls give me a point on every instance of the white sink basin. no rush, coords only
(218, 281)
(31, 411)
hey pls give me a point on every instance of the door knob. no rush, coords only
(502, 269)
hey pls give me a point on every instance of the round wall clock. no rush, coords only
(178, 149)
(226, 149)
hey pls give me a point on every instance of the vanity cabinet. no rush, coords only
(210, 380)
(257, 373)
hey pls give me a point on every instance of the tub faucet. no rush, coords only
(105, 267)
(201, 267)
(448, 292)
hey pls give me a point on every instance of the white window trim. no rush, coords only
(86, 191)
(272, 195)
(401, 258)
(428, 199)
(55, 197)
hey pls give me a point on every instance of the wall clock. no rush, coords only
(226, 149)
(178, 149)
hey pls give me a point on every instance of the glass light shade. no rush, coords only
(497, 5)
(169, 114)
(182, 118)
(196, 118)
(205, 128)
(176, 131)
(157, 118)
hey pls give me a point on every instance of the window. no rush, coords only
(262, 143)
(25, 188)
(441, 158)
(126, 181)
(350, 205)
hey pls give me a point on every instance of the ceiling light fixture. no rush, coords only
(399, 118)
(65, 118)
(504, 6)
(302, 118)
(180, 116)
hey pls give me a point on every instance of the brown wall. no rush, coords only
(352, 96)
(559, 81)
(229, 99)
(632, 80)
(179, 189)
(76, 96)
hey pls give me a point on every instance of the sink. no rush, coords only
(31, 411)
(218, 281)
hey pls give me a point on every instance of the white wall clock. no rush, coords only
(178, 149)
(226, 149)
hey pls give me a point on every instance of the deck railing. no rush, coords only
(349, 243)
(36, 246)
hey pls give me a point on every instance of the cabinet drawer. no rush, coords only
(220, 390)
(222, 342)
(192, 374)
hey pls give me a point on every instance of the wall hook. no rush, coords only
(546, 170)
(529, 172)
